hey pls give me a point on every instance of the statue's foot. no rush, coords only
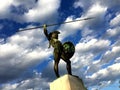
(57, 76)
(75, 76)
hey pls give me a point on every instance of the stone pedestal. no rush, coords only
(67, 82)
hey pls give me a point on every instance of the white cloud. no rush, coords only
(115, 21)
(5, 5)
(1, 40)
(93, 45)
(85, 53)
(22, 51)
(96, 9)
(110, 54)
(6, 50)
(70, 29)
(42, 10)
(110, 73)
(103, 73)
(33, 11)
(67, 29)
(117, 60)
(85, 4)
(113, 32)
(35, 83)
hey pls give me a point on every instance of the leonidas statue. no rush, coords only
(61, 51)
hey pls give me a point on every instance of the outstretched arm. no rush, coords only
(46, 32)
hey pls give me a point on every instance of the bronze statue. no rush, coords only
(61, 51)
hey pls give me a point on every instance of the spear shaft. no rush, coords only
(55, 24)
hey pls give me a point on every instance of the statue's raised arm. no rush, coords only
(46, 32)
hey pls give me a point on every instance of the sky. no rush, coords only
(26, 63)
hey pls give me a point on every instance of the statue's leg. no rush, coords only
(57, 59)
(57, 55)
(68, 66)
(68, 63)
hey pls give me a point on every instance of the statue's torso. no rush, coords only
(55, 43)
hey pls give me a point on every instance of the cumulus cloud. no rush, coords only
(5, 5)
(37, 81)
(109, 73)
(29, 11)
(95, 11)
(85, 4)
(111, 54)
(21, 51)
(64, 29)
(93, 8)
(117, 60)
(29, 84)
(86, 52)
(1, 40)
(89, 28)
(40, 11)
(113, 32)
(98, 9)
(93, 45)
(73, 28)
(115, 21)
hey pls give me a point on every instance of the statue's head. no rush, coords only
(54, 34)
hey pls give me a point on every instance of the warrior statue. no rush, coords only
(61, 51)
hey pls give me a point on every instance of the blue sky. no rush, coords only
(26, 63)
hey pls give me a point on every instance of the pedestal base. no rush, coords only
(67, 82)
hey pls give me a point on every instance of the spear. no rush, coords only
(55, 24)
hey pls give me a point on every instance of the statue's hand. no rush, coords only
(45, 26)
